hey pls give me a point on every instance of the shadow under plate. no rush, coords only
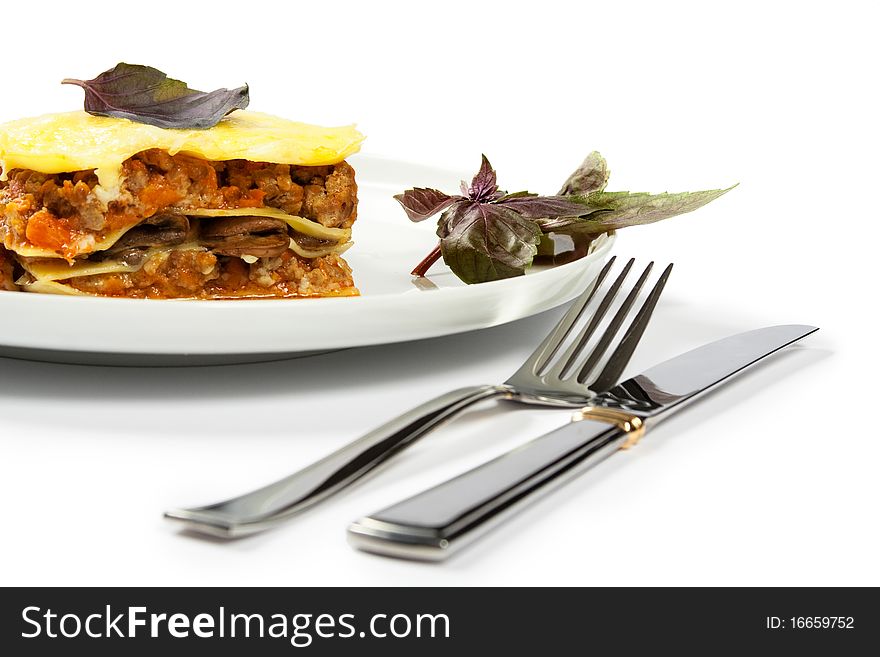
(146, 360)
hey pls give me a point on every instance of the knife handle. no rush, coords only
(434, 524)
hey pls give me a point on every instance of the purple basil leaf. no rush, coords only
(420, 202)
(539, 207)
(485, 242)
(460, 209)
(146, 95)
(484, 186)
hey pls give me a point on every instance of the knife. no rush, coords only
(436, 523)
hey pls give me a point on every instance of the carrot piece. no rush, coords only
(47, 231)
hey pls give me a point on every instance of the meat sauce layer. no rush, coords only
(202, 274)
(63, 212)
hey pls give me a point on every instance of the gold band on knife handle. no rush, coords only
(626, 422)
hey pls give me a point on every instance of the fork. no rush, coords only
(547, 378)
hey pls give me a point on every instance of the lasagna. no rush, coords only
(256, 206)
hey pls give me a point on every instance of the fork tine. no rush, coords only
(566, 363)
(610, 374)
(602, 346)
(545, 352)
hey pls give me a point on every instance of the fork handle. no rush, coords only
(262, 508)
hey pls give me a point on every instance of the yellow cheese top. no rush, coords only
(75, 141)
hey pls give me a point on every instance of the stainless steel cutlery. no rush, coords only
(436, 523)
(570, 368)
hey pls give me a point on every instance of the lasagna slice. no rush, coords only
(256, 206)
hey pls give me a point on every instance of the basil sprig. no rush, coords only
(487, 234)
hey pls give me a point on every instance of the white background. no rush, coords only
(771, 481)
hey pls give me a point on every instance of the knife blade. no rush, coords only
(436, 523)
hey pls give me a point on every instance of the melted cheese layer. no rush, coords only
(76, 141)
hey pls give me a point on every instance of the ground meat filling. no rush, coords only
(7, 271)
(63, 212)
(168, 274)
(201, 274)
(180, 256)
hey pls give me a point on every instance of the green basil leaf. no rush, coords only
(591, 176)
(615, 210)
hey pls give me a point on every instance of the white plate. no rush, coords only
(391, 308)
